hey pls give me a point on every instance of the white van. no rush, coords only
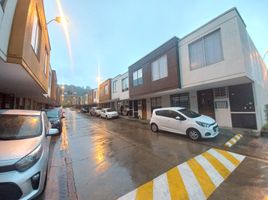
(183, 121)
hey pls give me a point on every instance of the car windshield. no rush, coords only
(109, 110)
(14, 127)
(53, 113)
(98, 108)
(189, 113)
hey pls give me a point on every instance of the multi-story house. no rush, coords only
(24, 55)
(93, 99)
(105, 94)
(223, 73)
(120, 93)
(154, 78)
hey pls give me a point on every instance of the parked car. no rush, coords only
(109, 113)
(85, 109)
(184, 121)
(24, 152)
(95, 111)
(55, 116)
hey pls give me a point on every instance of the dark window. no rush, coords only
(189, 113)
(220, 92)
(180, 100)
(162, 113)
(241, 98)
(173, 114)
(155, 103)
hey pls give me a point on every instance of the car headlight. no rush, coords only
(29, 160)
(203, 124)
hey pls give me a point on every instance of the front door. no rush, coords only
(206, 102)
(144, 112)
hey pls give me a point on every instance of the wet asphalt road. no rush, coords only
(105, 159)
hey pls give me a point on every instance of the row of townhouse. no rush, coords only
(27, 80)
(215, 70)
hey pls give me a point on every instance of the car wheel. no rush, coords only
(106, 117)
(193, 134)
(154, 128)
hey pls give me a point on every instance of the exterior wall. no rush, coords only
(170, 48)
(20, 50)
(90, 97)
(103, 98)
(231, 66)
(257, 71)
(119, 94)
(54, 86)
(96, 96)
(6, 19)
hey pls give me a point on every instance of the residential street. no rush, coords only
(106, 159)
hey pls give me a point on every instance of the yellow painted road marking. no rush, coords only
(197, 178)
(228, 156)
(176, 186)
(223, 171)
(205, 182)
(145, 192)
(233, 140)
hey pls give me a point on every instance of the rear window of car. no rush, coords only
(14, 127)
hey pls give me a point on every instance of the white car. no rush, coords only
(183, 121)
(108, 113)
(95, 111)
(24, 153)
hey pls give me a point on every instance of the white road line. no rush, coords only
(129, 196)
(237, 156)
(222, 159)
(161, 188)
(214, 175)
(234, 140)
(191, 184)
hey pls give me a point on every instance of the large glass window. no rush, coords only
(106, 89)
(137, 77)
(45, 63)
(180, 100)
(36, 34)
(114, 86)
(206, 50)
(125, 84)
(159, 68)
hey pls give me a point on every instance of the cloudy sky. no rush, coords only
(113, 34)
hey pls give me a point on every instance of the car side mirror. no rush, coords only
(52, 132)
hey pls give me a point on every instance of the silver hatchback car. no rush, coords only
(24, 150)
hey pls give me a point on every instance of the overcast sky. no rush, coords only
(116, 33)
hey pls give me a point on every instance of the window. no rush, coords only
(155, 103)
(106, 89)
(137, 77)
(125, 84)
(159, 68)
(36, 34)
(180, 100)
(45, 63)
(49, 80)
(220, 92)
(114, 86)
(206, 50)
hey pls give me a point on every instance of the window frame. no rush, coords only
(202, 39)
(124, 82)
(157, 64)
(36, 34)
(139, 80)
(115, 86)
